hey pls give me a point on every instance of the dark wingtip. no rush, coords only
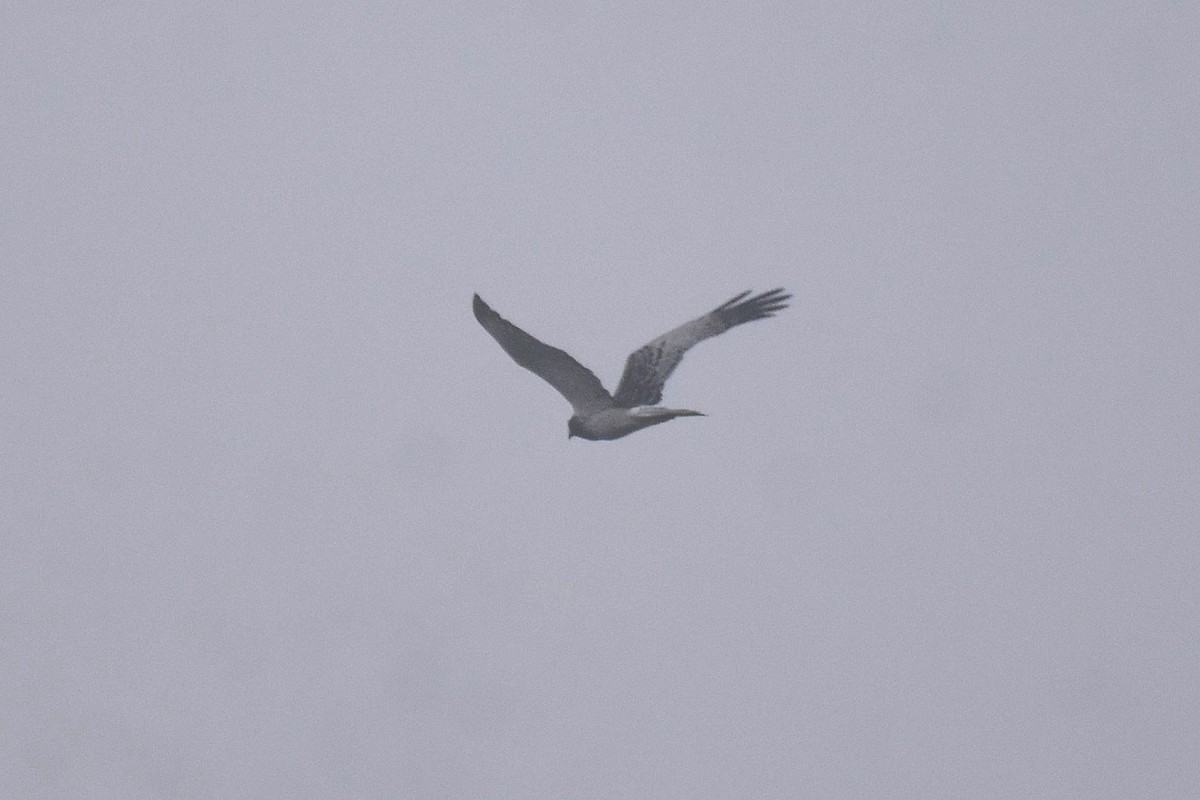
(479, 307)
(760, 306)
(774, 296)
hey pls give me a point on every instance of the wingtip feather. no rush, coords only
(480, 308)
(733, 300)
(759, 306)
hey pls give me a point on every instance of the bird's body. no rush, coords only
(615, 422)
(599, 415)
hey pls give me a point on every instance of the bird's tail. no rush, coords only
(664, 414)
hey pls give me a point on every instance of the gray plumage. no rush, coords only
(599, 415)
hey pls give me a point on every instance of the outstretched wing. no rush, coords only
(573, 381)
(647, 369)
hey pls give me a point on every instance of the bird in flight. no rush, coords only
(600, 415)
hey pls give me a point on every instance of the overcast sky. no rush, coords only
(280, 520)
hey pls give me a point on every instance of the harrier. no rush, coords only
(600, 415)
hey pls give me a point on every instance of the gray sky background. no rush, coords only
(280, 520)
